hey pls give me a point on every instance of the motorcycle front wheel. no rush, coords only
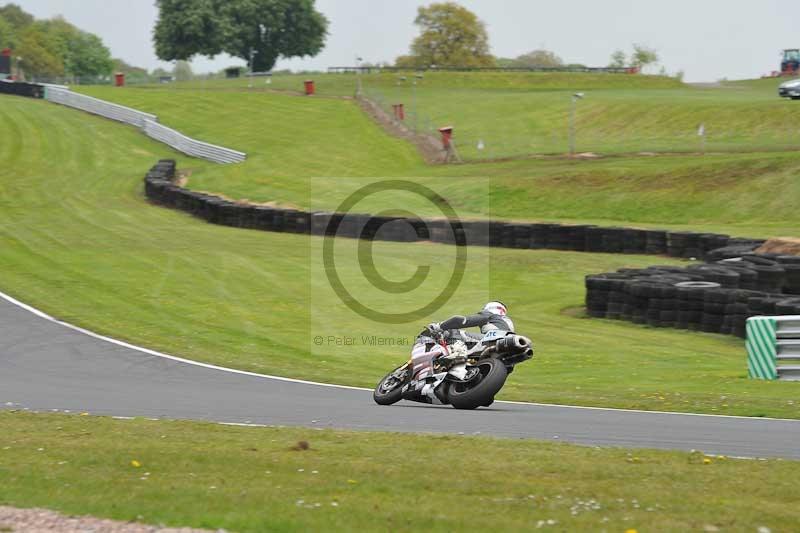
(390, 389)
(485, 379)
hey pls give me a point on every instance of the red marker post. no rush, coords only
(399, 111)
(450, 153)
(447, 136)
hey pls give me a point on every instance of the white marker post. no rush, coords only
(701, 132)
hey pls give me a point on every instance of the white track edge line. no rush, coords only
(148, 351)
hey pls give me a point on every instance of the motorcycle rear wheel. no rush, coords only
(481, 390)
(390, 389)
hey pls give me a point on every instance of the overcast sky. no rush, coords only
(708, 39)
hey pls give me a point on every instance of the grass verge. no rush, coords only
(251, 479)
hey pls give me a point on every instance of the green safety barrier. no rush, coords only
(773, 347)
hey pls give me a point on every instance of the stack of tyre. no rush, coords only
(18, 88)
(715, 297)
(159, 188)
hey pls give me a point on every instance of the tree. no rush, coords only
(182, 71)
(88, 56)
(538, 59)
(643, 56)
(16, 16)
(618, 59)
(37, 60)
(265, 30)
(409, 62)
(83, 54)
(57, 34)
(187, 27)
(8, 37)
(161, 73)
(52, 47)
(451, 36)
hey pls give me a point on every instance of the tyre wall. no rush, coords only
(31, 90)
(717, 296)
(160, 189)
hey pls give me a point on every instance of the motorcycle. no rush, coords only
(470, 377)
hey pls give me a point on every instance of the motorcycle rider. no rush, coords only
(493, 316)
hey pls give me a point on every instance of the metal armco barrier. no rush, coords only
(773, 347)
(190, 146)
(97, 106)
(146, 122)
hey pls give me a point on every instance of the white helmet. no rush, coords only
(496, 308)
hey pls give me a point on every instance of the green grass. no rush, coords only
(514, 123)
(249, 479)
(517, 114)
(78, 240)
(291, 139)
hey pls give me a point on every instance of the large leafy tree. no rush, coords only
(52, 47)
(82, 53)
(16, 16)
(88, 56)
(37, 58)
(451, 36)
(265, 30)
(8, 37)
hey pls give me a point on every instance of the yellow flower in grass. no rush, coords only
(136, 464)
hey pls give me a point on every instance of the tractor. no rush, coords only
(790, 64)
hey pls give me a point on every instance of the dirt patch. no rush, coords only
(42, 520)
(182, 177)
(781, 245)
(429, 147)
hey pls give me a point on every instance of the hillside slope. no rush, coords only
(291, 140)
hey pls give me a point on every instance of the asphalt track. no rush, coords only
(47, 365)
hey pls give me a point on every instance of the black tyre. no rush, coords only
(488, 377)
(389, 389)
